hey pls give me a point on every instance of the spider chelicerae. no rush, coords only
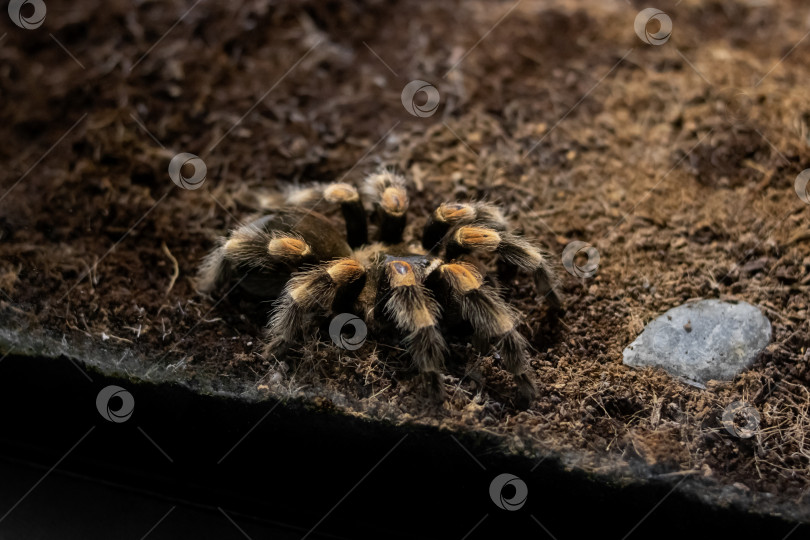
(418, 291)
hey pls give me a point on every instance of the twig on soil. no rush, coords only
(77, 329)
(374, 395)
(105, 336)
(775, 313)
(767, 174)
(176, 271)
(798, 236)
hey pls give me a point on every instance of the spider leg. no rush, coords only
(310, 294)
(387, 192)
(512, 249)
(416, 313)
(350, 203)
(449, 215)
(493, 321)
(353, 212)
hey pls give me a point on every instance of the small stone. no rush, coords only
(702, 341)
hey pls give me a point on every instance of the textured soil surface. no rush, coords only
(676, 162)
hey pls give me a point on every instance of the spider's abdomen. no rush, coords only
(322, 240)
(325, 241)
(263, 254)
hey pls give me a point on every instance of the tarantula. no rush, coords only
(296, 256)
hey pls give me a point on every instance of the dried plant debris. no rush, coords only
(675, 159)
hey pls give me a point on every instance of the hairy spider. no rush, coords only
(295, 255)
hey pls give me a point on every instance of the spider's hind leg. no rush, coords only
(493, 321)
(351, 206)
(353, 212)
(513, 250)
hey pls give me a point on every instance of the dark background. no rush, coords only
(287, 474)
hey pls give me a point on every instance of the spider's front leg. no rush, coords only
(450, 215)
(415, 313)
(513, 250)
(309, 295)
(493, 321)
